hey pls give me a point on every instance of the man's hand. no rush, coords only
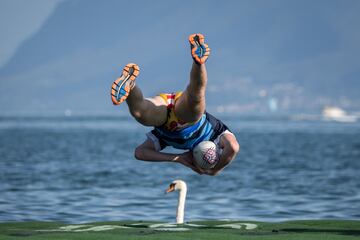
(212, 171)
(187, 160)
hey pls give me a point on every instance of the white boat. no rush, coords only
(337, 114)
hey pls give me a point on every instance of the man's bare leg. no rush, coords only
(147, 111)
(191, 104)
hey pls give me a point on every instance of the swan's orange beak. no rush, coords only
(171, 188)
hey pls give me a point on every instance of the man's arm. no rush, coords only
(230, 147)
(147, 152)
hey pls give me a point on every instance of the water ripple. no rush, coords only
(84, 170)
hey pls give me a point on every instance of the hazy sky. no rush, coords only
(304, 53)
(19, 19)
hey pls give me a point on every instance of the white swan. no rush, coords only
(179, 185)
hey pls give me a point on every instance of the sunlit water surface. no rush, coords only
(82, 169)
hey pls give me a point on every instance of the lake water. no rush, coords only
(82, 169)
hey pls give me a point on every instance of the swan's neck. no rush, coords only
(181, 206)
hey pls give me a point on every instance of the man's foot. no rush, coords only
(122, 86)
(199, 50)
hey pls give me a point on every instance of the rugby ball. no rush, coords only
(205, 155)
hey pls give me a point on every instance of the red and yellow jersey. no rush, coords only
(173, 123)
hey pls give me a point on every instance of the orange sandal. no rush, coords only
(122, 86)
(200, 51)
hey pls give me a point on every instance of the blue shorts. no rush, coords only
(208, 128)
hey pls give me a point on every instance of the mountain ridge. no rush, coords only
(71, 61)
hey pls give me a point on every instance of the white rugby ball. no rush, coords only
(205, 155)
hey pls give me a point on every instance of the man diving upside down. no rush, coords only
(179, 119)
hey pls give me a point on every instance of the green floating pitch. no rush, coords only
(304, 229)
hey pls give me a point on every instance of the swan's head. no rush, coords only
(177, 185)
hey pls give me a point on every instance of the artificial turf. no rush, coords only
(216, 230)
